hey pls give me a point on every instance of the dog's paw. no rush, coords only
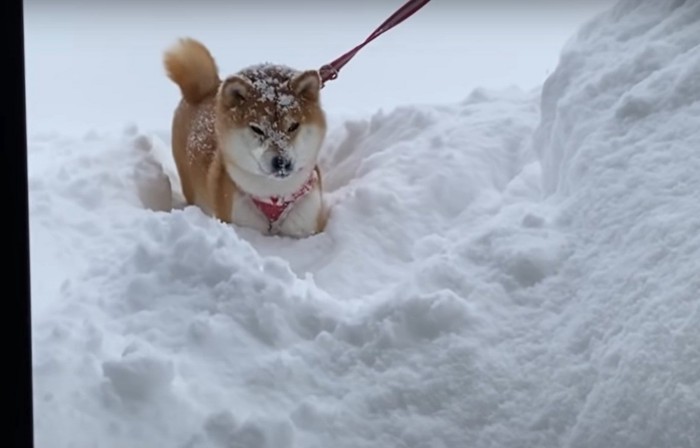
(304, 219)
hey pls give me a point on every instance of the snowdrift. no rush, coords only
(619, 148)
(517, 269)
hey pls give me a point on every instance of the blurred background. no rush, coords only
(439, 55)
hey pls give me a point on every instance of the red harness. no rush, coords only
(274, 207)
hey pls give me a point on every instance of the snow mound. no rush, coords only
(476, 286)
(619, 145)
(627, 80)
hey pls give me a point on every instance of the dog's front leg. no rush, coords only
(245, 214)
(305, 217)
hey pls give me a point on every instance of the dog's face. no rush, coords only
(270, 121)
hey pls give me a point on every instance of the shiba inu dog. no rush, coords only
(246, 147)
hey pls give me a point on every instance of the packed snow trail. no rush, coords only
(475, 287)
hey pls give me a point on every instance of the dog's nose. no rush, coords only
(281, 164)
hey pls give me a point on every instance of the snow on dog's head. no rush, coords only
(270, 120)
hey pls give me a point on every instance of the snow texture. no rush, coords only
(201, 141)
(518, 269)
(271, 81)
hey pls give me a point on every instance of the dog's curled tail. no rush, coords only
(189, 64)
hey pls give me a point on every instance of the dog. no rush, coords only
(246, 148)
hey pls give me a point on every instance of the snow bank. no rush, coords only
(619, 144)
(475, 286)
(627, 79)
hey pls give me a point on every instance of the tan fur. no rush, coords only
(210, 107)
(190, 65)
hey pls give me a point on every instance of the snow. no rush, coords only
(271, 82)
(515, 268)
(79, 51)
(200, 141)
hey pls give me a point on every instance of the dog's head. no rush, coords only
(270, 121)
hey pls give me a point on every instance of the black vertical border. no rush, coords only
(15, 194)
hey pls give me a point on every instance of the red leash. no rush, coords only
(330, 71)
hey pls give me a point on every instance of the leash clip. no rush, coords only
(328, 73)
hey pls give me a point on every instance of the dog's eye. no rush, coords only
(257, 130)
(293, 127)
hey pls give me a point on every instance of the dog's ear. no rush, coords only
(307, 85)
(234, 91)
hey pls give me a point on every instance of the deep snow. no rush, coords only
(518, 269)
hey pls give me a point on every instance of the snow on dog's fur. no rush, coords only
(246, 148)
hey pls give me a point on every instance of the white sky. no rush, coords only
(98, 65)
